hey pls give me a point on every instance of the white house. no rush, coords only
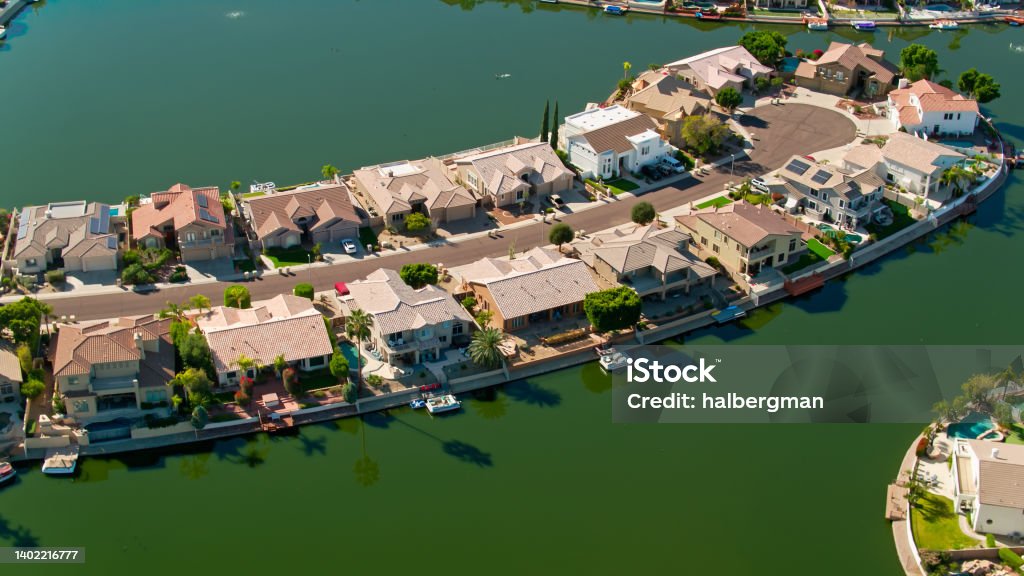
(605, 142)
(926, 107)
(988, 482)
(905, 161)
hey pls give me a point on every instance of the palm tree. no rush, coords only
(45, 310)
(483, 350)
(174, 311)
(280, 364)
(357, 326)
(956, 176)
(199, 302)
(329, 171)
(245, 364)
(626, 67)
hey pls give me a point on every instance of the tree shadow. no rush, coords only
(381, 420)
(532, 394)
(467, 453)
(312, 446)
(489, 403)
(16, 535)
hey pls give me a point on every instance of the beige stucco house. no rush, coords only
(905, 161)
(10, 375)
(668, 100)
(711, 71)
(399, 188)
(73, 236)
(988, 482)
(322, 214)
(847, 68)
(191, 220)
(521, 173)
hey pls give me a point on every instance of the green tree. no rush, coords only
(23, 318)
(958, 177)
(560, 234)
(1003, 415)
(24, 359)
(762, 84)
(199, 302)
(350, 392)
(417, 222)
(977, 388)
(196, 385)
(653, 67)
(554, 128)
(703, 133)
(483, 318)
(544, 131)
(418, 275)
(339, 366)
(981, 87)
(626, 67)
(280, 364)
(918, 61)
(135, 274)
(303, 290)
(195, 352)
(245, 364)
(612, 309)
(237, 296)
(469, 303)
(32, 388)
(729, 98)
(328, 171)
(200, 417)
(643, 213)
(235, 184)
(483, 348)
(290, 378)
(357, 327)
(767, 46)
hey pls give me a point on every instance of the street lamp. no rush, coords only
(732, 164)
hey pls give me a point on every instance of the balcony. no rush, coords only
(113, 385)
(200, 242)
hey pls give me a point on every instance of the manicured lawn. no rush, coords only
(253, 194)
(819, 249)
(1016, 436)
(317, 379)
(936, 526)
(367, 236)
(806, 259)
(901, 219)
(245, 265)
(716, 202)
(288, 257)
(620, 185)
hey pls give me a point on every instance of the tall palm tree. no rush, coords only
(245, 364)
(174, 311)
(280, 364)
(44, 311)
(357, 326)
(956, 176)
(199, 302)
(626, 67)
(483, 350)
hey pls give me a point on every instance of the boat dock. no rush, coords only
(895, 498)
(61, 460)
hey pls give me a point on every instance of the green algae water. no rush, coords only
(123, 97)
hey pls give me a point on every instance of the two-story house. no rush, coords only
(525, 289)
(73, 236)
(668, 100)
(410, 325)
(10, 375)
(930, 108)
(189, 220)
(506, 176)
(606, 142)
(988, 485)
(653, 261)
(847, 68)
(322, 214)
(285, 325)
(745, 239)
(711, 71)
(905, 161)
(845, 197)
(398, 189)
(113, 368)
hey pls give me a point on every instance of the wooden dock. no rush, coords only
(896, 502)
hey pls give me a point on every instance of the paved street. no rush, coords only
(780, 132)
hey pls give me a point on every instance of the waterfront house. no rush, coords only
(73, 236)
(731, 66)
(284, 325)
(745, 239)
(830, 193)
(608, 142)
(988, 485)
(906, 162)
(780, 4)
(410, 325)
(10, 375)
(653, 261)
(513, 174)
(315, 214)
(668, 100)
(189, 220)
(929, 108)
(399, 188)
(537, 286)
(849, 68)
(107, 369)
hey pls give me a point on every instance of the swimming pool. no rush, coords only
(971, 427)
(789, 64)
(849, 236)
(939, 8)
(349, 352)
(957, 143)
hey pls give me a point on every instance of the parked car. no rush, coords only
(556, 201)
(651, 172)
(350, 246)
(664, 170)
(145, 288)
(760, 185)
(673, 164)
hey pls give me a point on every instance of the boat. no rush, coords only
(1014, 20)
(445, 403)
(817, 24)
(7, 472)
(708, 16)
(418, 403)
(502, 76)
(864, 25)
(944, 25)
(614, 361)
(3, 31)
(728, 314)
(615, 10)
(61, 461)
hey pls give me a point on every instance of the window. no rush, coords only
(520, 196)
(471, 178)
(703, 241)
(517, 322)
(645, 150)
(214, 233)
(73, 381)
(154, 396)
(842, 204)
(824, 196)
(317, 361)
(190, 236)
(80, 406)
(840, 76)
(890, 177)
(6, 389)
(814, 193)
(782, 258)
(442, 338)
(457, 328)
(714, 248)
(792, 244)
(812, 205)
(31, 261)
(397, 217)
(231, 375)
(947, 116)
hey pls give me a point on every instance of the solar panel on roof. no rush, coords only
(798, 167)
(204, 214)
(202, 201)
(821, 176)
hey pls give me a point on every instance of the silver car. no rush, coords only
(350, 246)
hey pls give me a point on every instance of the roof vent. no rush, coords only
(995, 453)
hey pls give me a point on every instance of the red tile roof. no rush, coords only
(182, 206)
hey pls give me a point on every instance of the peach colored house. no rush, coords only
(191, 220)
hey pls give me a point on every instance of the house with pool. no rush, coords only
(906, 162)
(988, 484)
(830, 193)
(711, 71)
(928, 108)
(607, 142)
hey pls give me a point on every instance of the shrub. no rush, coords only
(59, 408)
(469, 303)
(237, 296)
(242, 398)
(418, 275)
(349, 392)
(339, 366)
(246, 384)
(1010, 558)
(922, 447)
(417, 222)
(291, 381)
(55, 277)
(374, 380)
(685, 158)
(179, 274)
(990, 541)
(136, 274)
(713, 262)
(32, 388)
(612, 309)
(643, 213)
(303, 290)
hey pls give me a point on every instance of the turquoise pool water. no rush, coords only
(850, 236)
(940, 8)
(789, 64)
(971, 427)
(349, 352)
(957, 143)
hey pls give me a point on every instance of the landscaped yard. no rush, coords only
(716, 202)
(819, 249)
(901, 219)
(620, 185)
(317, 379)
(806, 259)
(936, 526)
(253, 194)
(1016, 436)
(367, 236)
(287, 257)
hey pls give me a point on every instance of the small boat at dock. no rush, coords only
(61, 461)
(1014, 20)
(7, 472)
(944, 25)
(817, 24)
(728, 314)
(615, 10)
(3, 32)
(440, 404)
(418, 403)
(864, 25)
(708, 16)
(611, 360)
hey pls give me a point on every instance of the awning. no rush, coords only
(340, 288)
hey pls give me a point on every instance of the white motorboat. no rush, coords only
(817, 24)
(3, 31)
(7, 472)
(445, 403)
(944, 25)
(614, 361)
(61, 461)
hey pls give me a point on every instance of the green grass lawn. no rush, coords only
(936, 526)
(317, 379)
(901, 219)
(367, 236)
(253, 194)
(716, 202)
(620, 185)
(806, 259)
(1016, 436)
(819, 249)
(287, 257)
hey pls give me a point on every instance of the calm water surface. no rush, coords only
(118, 97)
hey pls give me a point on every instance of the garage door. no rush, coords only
(97, 263)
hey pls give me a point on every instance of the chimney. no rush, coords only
(138, 344)
(902, 84)
(995, 453)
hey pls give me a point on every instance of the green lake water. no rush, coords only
(117, 97)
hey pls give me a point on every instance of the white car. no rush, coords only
(673, 164)
(349, 245)
(760, 185)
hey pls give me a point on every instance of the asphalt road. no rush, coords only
(780, 132)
